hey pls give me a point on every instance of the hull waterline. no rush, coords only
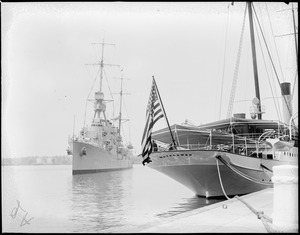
(204, 174)
(96, 159)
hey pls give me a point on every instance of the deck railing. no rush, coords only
(245, 146)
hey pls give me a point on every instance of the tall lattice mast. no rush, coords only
(99, 105)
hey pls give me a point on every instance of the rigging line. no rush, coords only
(296, 74)
(123, 103)
(287, 57)
(125, 107)
(108, 84)
(175, 130)
(284, 98)
(220, 107)
(110, 92)
(113, 115)
(278, 114)
(129, 131)
(93, 82)
(275, 42)
(234, 81)
(125, 120)
(124, 135)
(278, 58)
(89, 94)
(295, 37)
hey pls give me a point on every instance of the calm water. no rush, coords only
(53, 200)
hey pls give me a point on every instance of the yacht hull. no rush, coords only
(204, 174)
(94, 159)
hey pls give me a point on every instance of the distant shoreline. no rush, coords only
(36, 160)
(45, 160)
(36, 164)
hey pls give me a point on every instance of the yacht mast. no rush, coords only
(254, 59)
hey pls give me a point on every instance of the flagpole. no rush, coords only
(164, 112)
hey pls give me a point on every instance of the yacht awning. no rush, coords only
(239, 122)
(188, 135)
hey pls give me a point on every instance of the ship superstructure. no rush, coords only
(99, 146)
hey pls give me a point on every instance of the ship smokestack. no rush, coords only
(286, 101)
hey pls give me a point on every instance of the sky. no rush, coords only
(190, 48)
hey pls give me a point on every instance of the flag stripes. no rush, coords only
(153, 114)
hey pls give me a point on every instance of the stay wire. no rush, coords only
(224, 59)
(89, 94)
(272, 63)
(278, 113)
(283, 77)
(110, 92)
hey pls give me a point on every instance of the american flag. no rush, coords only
(153, 114)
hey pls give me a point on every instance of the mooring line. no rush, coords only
(266, 220)
(242, 174)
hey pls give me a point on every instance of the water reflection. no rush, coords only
(102, 202)
(108, 201)
(189, 204)
(98, 199)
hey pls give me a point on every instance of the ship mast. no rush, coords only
(120, 113)
(101, 67)
(257, 93)
(99, 105)
(121, 101)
